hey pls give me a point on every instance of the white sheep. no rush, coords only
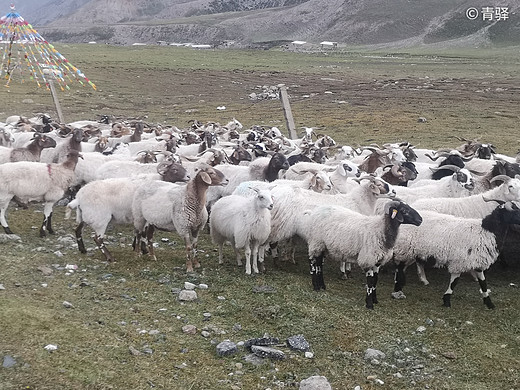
(245, 222)
(473, 206)
(459, 244)
(175, 208)
(28, 181)
(110, 201)
(351, 237)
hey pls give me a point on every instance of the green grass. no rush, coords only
(110, 311)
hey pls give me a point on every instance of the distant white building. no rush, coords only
(328, 45)
(297, 45)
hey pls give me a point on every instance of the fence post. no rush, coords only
(284, 97)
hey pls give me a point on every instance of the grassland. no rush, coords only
(470, 94)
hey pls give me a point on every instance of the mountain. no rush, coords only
(392, 23)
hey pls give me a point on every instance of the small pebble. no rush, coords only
(309, 355)
(189, 286)
(203, 286)
(421, 329)
(68, 305)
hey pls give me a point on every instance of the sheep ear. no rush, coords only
(396, 214)
(205, 177)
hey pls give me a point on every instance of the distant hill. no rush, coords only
(392, 23)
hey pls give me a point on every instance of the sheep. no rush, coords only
(31, 152)
(28, 180)
(59, 153)
(459, 244)
(263, 169)
(473, 206)
(245, 222)
(110, 201)
(186, 210)
(348, 236)
(6, 138)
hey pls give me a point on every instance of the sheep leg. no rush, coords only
(189, 253)
(376, 278)
(371, 288)
(3, 221)
(248, 258)
(316, 264)
(261, 258)
(194, 242)
(479, 274)
(345, 269)
(274, 252)
(454, 279)
(79, 237)
(399, 281)
(255, 257)
(47, 215)
(237, 253)
(421, 273)
(101, 245)
(148, 232)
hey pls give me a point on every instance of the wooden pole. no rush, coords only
(50, 80)
(56, 101)
(289, 120)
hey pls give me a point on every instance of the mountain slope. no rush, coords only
(388, 22)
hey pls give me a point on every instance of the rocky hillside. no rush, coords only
(393, 23)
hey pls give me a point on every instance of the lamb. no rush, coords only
(31, 152)
(352, 237)
(459, 244)
(245, 222)
(186, 205)
(28, 180)
(110, 201)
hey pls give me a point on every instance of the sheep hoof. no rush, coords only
(7, 230)
(262, 268)
(370, 307)
(425, 282)
(488, 303)
(446, 300)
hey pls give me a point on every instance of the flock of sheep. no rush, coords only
(262, 192)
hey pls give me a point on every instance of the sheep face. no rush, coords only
(512, 190)
(45, 142)
(172, 172)
(264, 199)
(403, 213)
(212, 177)
(320, 181)
(350, 169)
(464, 178)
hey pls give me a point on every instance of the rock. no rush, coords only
(309, 355)
(449, 355)
(176, 290)
(267, 352)
(207, 316)
(205, 334)
(154, 332)
(68, 305)
(429, 322)
(421, 329)
(9, 361)
(50, 347)
(398, 295)
(264, 289)
(203, 286)
(189, 329)
(226, 348)
(9, 238)
(134, 351)
(189, 286)
(254, 360)
(298, 343)
(422, 119)
(398, 375)
(374, 354)
(28, 101)
(58, 254)
(187, 295)
(315, 383)
(261, 341)
(46, 271)
(2, 287)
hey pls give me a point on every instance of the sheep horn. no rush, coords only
(392, 203)
(441, 154)
(499, 201)
(477, 173)
(453, 168)
(503, 178)
(163, 166)
(395, 170)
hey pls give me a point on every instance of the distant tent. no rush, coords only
(329, 45)
(25, 53)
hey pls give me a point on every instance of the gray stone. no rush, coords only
(315, 383)
(176, 290)
(422, 119)
(254, 360)
(68, 305)
(374, 354)
(203, 286)
(134, 351)
(421, 329)
(262, 341)
(2, 287)
(189, 329)
(267, 352)
(9, 361)
(298, 343)
(264, 289)
(226, 348)
(189, 286)
(187, 295)
(46, 271)
(9, 238)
